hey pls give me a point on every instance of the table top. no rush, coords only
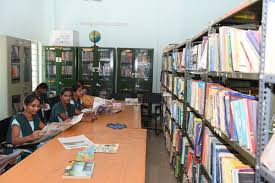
(47, 164)
(130, 115)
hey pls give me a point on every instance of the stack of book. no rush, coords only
(177, 112)
(179, 87)
(229, 50)
(222, 163)
(233, 113)
(194, 128)
(195, 94)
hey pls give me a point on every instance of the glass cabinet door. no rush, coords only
(86, 64)
(15, 64)
(143, 70)
(50, 64)
(67, 64)
(106, 72)
(27, 64)
(125, 79)
(105, 63)
(51, 70)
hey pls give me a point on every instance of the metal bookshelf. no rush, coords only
(266, 99)
(265, 94)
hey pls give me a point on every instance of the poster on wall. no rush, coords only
(64, 38)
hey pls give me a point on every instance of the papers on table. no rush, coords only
(76, 119)
(75, 142)
(106, 148)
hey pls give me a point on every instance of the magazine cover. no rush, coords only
(79, 170)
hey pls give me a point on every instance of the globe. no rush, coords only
(94, 36)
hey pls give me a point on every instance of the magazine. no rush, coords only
(75, 142)
(106, 148)
(87, 154)
(79, 170)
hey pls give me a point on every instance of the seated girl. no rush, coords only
(26, 126)
(77, 93)
(64, 110)
(87, 100)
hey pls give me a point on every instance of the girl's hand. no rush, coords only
(37, 134)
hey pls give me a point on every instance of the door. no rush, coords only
(105, 82)
(85, 67)
(67, 66)
(143, 70)
(51, 67)
(125, 72)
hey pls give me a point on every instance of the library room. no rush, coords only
(128, 91)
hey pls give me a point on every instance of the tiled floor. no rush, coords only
(158, 169)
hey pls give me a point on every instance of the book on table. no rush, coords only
(79, 170)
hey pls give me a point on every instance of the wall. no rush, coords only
(122, 23)
(197, 14)
(143, 23)
(24, 19)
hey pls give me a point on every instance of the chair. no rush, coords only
(148, 100)
(123, 95)
(52, 101)
(7, 157)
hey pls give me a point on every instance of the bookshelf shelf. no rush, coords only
(227, 75)
(177, 98)
(205, 172)
(250, 158)
(195, 111)
(189, 140)
(235, 75)
(176, 122)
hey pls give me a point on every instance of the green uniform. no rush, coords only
(59, 108)
(77, 103)
(26, 128)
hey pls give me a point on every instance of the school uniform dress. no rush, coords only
(59, 108)
(43, 114)
(77, 103)
(27, 127)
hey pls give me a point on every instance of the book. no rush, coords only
(87, 154)
(79, 170)
(106, 148)
(75, 142)
(222, 162)
(179, 87)
(195, 94)
(233, 113)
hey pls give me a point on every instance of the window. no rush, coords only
(36, 65)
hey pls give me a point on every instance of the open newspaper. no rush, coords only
(53, 129)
